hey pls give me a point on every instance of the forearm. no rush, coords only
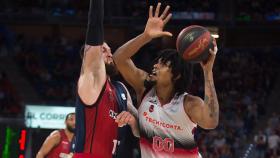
(94, 36)
(95, 30)
(130, 48)
(135, 129)
(40, 155)
(211, 100)
(92, 60)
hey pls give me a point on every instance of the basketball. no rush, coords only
(193, 43)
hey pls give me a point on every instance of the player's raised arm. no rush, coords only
(93, 74)
(154, 28)
(206, 113)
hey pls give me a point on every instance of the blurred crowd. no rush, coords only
(43, 7)
(181, 9)
(9, 101)
(52, 66)
(76, 8)
(267, 140)
(245, 10)
(258, 10)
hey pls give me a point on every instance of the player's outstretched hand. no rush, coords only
(157, 21)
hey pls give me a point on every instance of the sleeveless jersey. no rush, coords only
(166, 131)
(62, 149)
(100, 136)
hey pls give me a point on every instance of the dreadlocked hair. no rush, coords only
(179, 67)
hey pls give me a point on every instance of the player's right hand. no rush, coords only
(156, 22)
(125, 118)
(208, 65)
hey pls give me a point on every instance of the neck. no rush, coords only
(69, 134)
(165, 93)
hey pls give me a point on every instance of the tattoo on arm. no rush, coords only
(211, 99)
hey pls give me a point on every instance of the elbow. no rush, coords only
(116, 56)
(116, 59)
(211, 125)
(120, 56)
(119, 61)
(214, 125)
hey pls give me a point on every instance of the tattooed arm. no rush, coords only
(205, 113)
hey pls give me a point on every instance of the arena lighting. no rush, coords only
(22, 140)
(215, 35)
(214, 31)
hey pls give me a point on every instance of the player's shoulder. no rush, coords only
(191, 101)
(123, 85)
(55, 134)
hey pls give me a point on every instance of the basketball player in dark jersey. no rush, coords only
(97, 107)
(58, 143)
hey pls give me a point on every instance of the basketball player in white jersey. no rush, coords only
(168, 116)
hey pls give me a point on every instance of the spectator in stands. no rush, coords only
(9, 101)
(260, 141)
(273, 142)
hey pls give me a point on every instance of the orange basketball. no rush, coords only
(193, 43)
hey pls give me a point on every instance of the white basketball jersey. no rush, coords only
(166, 131)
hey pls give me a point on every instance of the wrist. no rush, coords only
(208, 74)
(146, 37)
(132, 123)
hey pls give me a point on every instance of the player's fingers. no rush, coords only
(214, 42)
(163, 15)
(167, 34)
(151, 11)
(128, 119)
(157, 9)
(213, 51)
(165, 21)
(121, 124)
(119, 116)
(122, 119)
(212, 55)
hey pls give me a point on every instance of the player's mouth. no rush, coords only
(153, 74)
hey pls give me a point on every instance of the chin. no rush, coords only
(149, 83)
(111, 69)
